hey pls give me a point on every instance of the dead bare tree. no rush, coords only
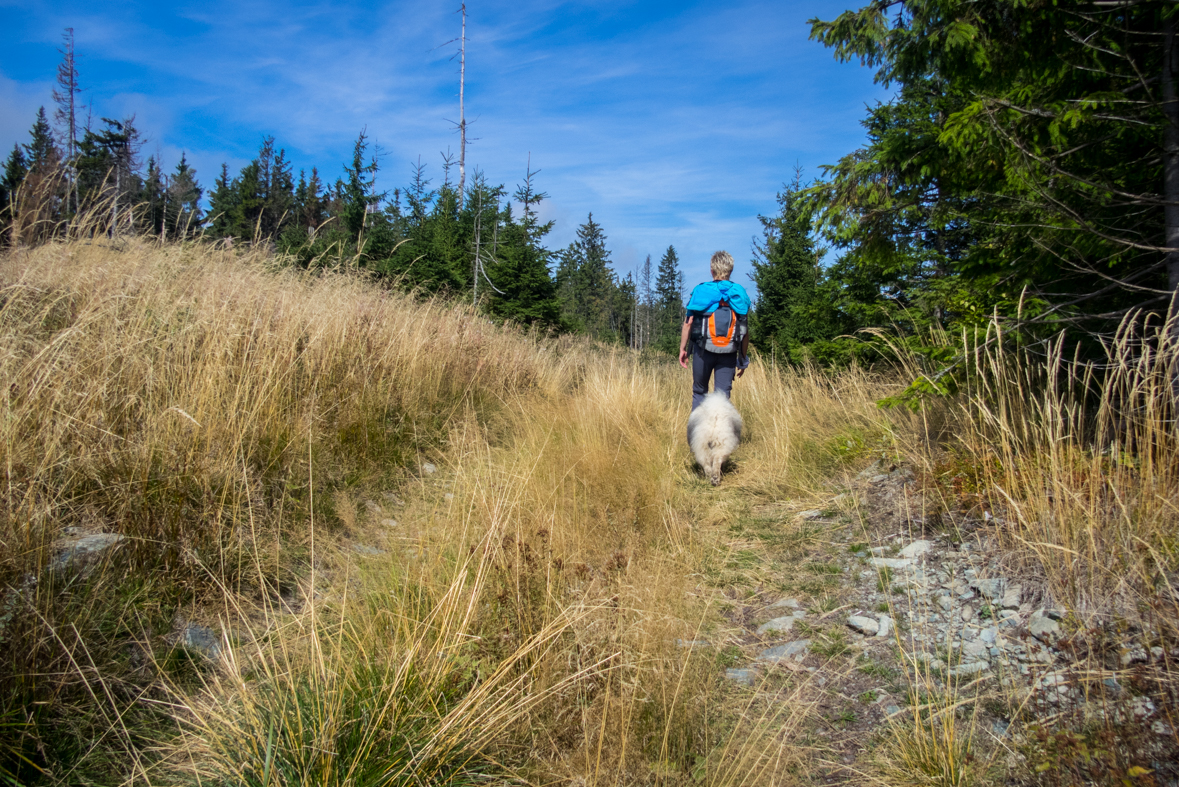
(66, 115)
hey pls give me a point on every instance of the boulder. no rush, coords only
(916, 549)
(791, 650)
(1043, 626)
(84, 550)
(777, 625)
(866, 626)
(991, 589)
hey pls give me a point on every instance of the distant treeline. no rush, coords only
(477, 244)
(1025, 173)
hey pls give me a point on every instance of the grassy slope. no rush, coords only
(259, 438)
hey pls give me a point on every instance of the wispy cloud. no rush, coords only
(672, 123)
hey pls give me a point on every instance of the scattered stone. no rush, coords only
(892, 710)
(429, 468)
(988, 635)
(970, 668)
(790, 650)
(976, 651)
(449, 496)
(85, 549)
(365, 549)
(878, 551)
(1011, 597)
(1043, 626)
(876, 479)
(870, 471)
(866, 626)
(885, 625)
(999, 728)
(1112, 686)
(392, 498)
(693, 643)
(967, 613)
(1134, 655)
(202, 640)
(785, 603)
(891, 562)
(916, 549)
(743, 675)
(945, 602)
(389, 522)
(814, 513)
(1141, 707)
(779, 625)
(1161, 727)
(373, 507)
(991, 589)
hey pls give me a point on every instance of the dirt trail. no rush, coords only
(871, 615)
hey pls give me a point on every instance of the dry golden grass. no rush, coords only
(259, 435)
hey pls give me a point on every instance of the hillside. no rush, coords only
(263, 526)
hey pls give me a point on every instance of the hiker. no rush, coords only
(717, 323)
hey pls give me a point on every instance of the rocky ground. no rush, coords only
(875, 619)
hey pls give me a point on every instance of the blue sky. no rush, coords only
(674, 123)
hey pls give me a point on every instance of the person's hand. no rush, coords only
(683, 357)
(740, 372)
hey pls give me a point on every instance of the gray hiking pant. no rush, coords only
(722, 367)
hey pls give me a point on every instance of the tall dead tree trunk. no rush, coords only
(65, 95)
(462, 116)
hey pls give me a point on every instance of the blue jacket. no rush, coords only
(706, 296)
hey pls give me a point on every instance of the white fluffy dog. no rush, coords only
(714, 432)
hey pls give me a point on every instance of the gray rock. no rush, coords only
(885, 625)
(1000, 729)
(916, 549)
(693, 643)
(876, 479)
(871, 470)
(86, 549)
(992, 589)
(1141, 707)
(1043, 627)
(389, 522)
(1011, 597)
(970, 668)
(743, 675)
(975, 651)
(785, 603)
(449, 496)
(892, 710)
(779, 625)
(791, 650)
(945, 602)
(1134, 655)
(373, 507)
(201, 640)
(866, 626)
(429, 468)
(878, 551)
(988, 635)
(967, 613)
(392, 498)
(891, 562)
(814, 513)
(365, 549)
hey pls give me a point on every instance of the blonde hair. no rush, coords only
(721, 265)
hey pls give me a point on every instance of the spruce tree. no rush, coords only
(669, 304)
(524, 290)
(184, 199)
(222, 205)
(788, 315)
